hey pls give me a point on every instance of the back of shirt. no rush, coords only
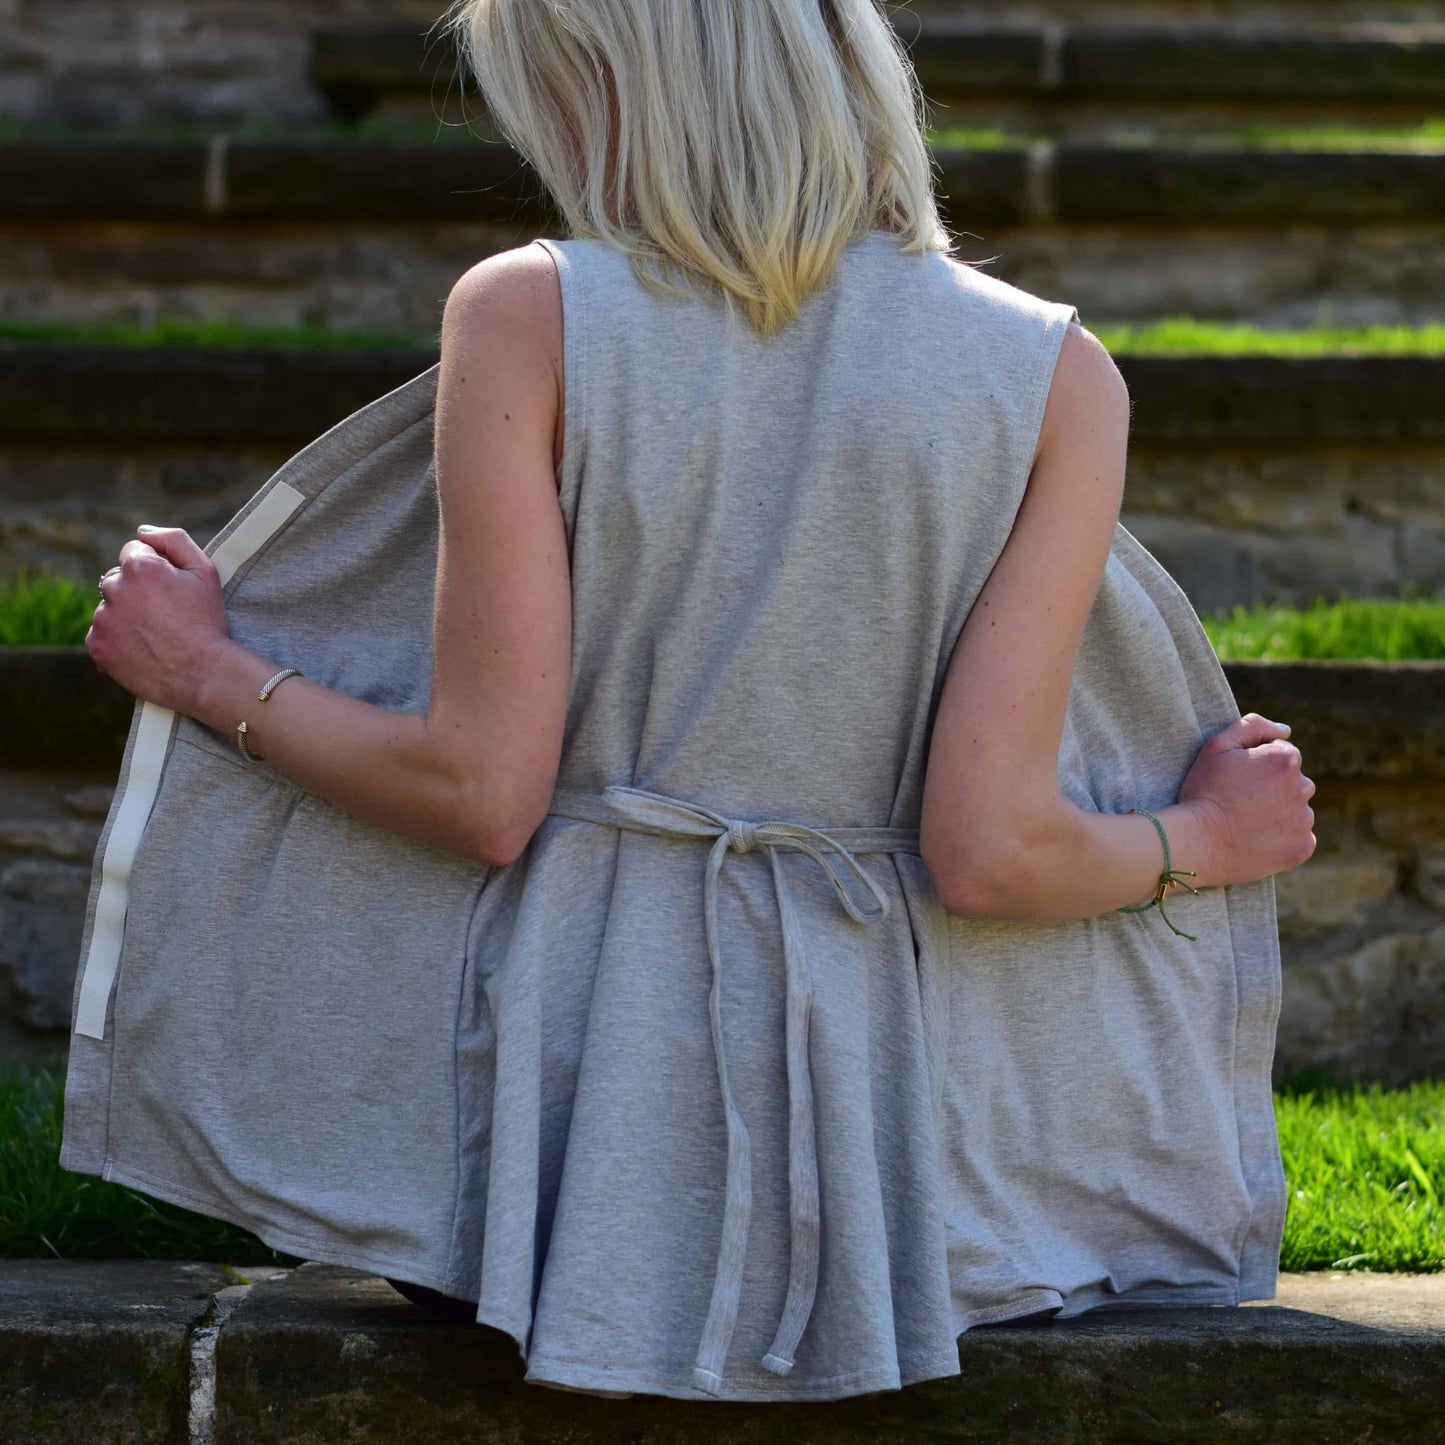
(775, 543)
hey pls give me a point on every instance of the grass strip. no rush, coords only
(1366, 1172)
(42, 609)
(1427, 136)
(1365, 1167)
(1404, 629)
(188, 331)
(475, 128)
(45, 609)
(1163, 336)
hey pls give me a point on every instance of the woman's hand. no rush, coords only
(161, 619)
(1247, 785)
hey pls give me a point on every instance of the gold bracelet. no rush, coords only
(267, 688)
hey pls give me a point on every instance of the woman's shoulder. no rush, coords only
(990, 293)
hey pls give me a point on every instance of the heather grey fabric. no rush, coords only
(705, 1095)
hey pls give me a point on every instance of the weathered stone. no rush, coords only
(95, 1350)
(1229, 400)
(1428, 874)
(1333, 891)
(58, 709)
(1406, 821)
(64, 838)
(1387, 726)
(1095, 182)
(1220, 568)
(322, 1353)
(1278, 64)
(42, 908)
(1374, 1012)
(325, 179)
(297, 271)
(116, 178)
(155, 395)
(92, 799)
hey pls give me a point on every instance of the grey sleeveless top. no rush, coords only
(705, 1095)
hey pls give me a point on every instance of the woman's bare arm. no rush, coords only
(997, 834)
(476, 772)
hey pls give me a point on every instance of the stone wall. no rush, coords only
(1362, 922)
(130, 62)
(360, 275)
(1232, 526)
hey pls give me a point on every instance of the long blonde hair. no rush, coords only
(744, 143)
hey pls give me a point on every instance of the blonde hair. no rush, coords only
(744, 143)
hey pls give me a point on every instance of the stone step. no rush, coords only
(323, 177)
(345, 232)
(54, 392)
(1365, 721)
(1251, 478)
(1039, 72)
(184, 1352)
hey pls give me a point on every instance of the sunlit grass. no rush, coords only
(469, 124)
(186, 331)
(45, 609)
(1425, 135)
(1366, 1172)
(41, 609)
(50, 1212)
(1190, 336)
(1386, 629)
(1164, 336)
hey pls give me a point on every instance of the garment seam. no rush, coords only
(463, 973)
(119, 1172)
(884, 1376)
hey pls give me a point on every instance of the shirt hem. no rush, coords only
(543, 1369)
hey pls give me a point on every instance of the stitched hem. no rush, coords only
(1028, 1303)
(277, 1236)
(557, 1369)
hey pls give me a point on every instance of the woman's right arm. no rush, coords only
(997, 834)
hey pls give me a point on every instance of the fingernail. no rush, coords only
(145, 527)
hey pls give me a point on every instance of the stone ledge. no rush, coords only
(323, 1353)
(1365, 720)
(59, 392)
(99, 1349)
(223, 179)
(1393, 64)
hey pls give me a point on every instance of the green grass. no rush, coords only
(1387, 629)
(182, 331)
(47, 1211)
(1425, 135)
(1366, 1173)
(44, 610)
(1165, 336)
(475, 128)
(1189, 336)
(1365, 1168)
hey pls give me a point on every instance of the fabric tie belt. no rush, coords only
(640, 811)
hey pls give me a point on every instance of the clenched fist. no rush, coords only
(161, 618)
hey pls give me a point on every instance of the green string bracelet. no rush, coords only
(1168, 876)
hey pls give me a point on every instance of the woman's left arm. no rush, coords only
(475, 773)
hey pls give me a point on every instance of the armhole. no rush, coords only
(574, 377)
(1051, 341)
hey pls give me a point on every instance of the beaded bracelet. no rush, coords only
(1166, 878)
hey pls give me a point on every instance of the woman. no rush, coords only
(768, 526)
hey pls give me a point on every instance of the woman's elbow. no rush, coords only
(982, 884)
(497, 842)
